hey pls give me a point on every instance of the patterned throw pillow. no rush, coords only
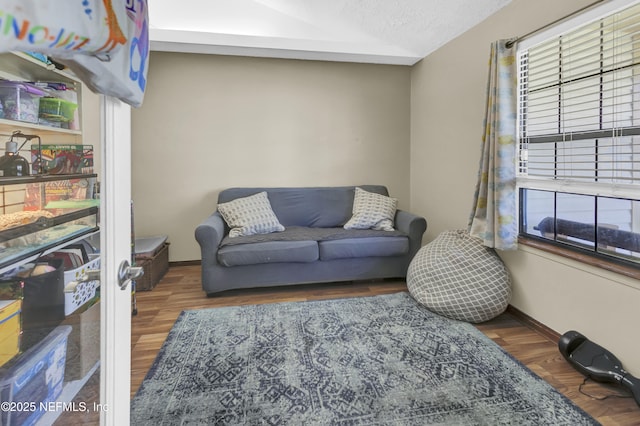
(372, 211)
(250, 215)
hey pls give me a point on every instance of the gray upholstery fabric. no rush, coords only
(357, 247)
(303, 233)
(310, 250)
(458, 277)
(321, 207)
(268, 252)
(314, 208)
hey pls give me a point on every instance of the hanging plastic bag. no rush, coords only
(124, 75)
(105, 42)
(63, 28)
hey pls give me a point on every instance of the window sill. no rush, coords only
(628, 271)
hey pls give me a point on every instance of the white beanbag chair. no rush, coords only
(456, 276)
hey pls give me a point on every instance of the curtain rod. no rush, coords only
(557, 21)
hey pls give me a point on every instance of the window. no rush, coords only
(579, 137)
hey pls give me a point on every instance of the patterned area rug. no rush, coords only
(382, 360)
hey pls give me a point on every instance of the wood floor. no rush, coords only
(180, 289)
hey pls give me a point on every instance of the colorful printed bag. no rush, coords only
(105, 42)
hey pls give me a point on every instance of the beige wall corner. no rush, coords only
(212, 122)
(447, 107)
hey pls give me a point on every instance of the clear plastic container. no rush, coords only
(20, 101)
(36, 377)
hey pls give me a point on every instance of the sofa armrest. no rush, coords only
(209, 235)
(412, 225)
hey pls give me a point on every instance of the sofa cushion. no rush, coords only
(250, 215)
(372, 211)
(321, 207)
(363, 247)
(304, 233)
(268, 252)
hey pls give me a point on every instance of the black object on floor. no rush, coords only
(596, 362)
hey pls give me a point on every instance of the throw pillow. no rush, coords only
(250, 215)
(372, 211)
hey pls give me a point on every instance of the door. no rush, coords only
(115, 214)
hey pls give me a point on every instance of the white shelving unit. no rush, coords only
(19, 67)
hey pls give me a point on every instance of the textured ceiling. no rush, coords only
(378, 31)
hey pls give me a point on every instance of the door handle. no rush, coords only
(126, 273)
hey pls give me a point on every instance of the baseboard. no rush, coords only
(521, 316)
(534, 324)
(185, 263)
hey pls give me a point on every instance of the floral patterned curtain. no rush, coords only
(494, 213)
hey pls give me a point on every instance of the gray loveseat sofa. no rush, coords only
(313, 248)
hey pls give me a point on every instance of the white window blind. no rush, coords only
(579, 104)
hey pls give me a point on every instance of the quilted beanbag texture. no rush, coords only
(456, 276)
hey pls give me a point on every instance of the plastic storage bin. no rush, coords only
(20, 101)
(83, 345)
(77, 295)
(9, 329)
(36, 377)
(56, 109)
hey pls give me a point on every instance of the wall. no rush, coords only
(91, 126)
(447, 108)
(211, 122)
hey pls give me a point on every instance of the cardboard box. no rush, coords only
(67, 194)
(83, 346)
(11, 289)
(9, 329)
(64, 159)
